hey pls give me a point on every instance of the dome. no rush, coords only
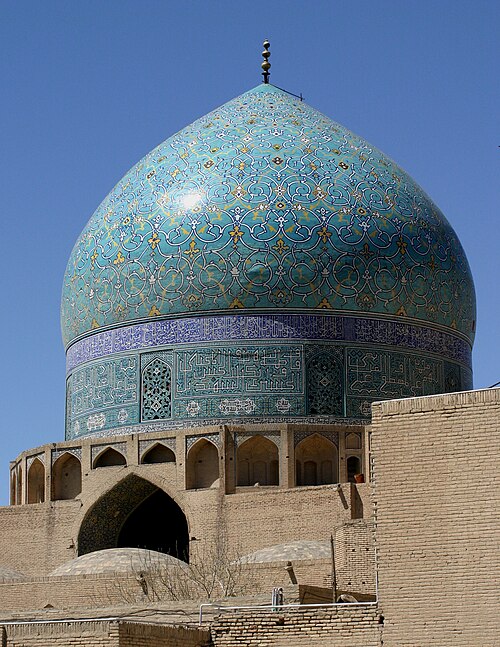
(265, 205)
(118, 560)
(274, 262)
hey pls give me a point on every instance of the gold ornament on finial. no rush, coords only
(266, 65)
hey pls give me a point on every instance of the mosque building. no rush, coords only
(231, 312)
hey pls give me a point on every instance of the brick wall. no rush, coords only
(437, 494)
(103, 633)
(342, 626)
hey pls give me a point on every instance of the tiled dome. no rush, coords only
(265, 205)
(263, 263)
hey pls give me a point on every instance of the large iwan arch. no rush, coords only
(135, 513)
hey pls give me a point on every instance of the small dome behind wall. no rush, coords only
(117, 560)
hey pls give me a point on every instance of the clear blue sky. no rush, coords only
(89, 87)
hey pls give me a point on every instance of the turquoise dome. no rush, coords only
(266, 205)
(264, 264)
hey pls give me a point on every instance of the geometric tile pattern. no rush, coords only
(212, 384)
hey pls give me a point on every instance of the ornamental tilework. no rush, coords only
(299, 436)
(388, 375)
(242, 371)
(40, 457)
(266, 205)
(199, 330)
(144, 445)
(74, 451)
(96, 386)
(273, 436)
(98, 449)
(213, 438)
(102, 395)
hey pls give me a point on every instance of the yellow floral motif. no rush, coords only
(236, 303)
(402, 246)
(208, 163)
(319, 193)
(93, 259)
(236, 234)
(325, 304)
(154, 240)
(154, 312)
(238, 191)
(192, 251)
(94, 324)
(401, 312)
(150, 174)
(324, 234)
(366, 253)
(280, 246)
(119, 259)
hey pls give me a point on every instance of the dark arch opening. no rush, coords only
(156, 524)
(158, 454)
(135, 514)
(109, 458)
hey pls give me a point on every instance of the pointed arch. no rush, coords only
(353, 467)
(158, 453)
(19, 486)
(316, 461)
(66, 477)
(13, 488)
(109, 458)
(352, 441)
(202, 465)
(156, 391)
(135, 513)
(257, 462)
(36, 482)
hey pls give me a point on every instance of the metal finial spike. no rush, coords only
(266, 65)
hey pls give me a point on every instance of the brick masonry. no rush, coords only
(102, 633)
(343, 626)
(436, 494)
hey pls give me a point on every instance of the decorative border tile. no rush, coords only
(197, 330)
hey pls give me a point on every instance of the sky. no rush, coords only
(88, 88)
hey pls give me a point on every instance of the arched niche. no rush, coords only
(36, 482)
(202, 465)
(352, 441)
(316, 460)
(13, 484)
(258, 462)
(19, 486)
(353, 467)
(158, 453)
(66, 477)
(135, 513)
(109, 458)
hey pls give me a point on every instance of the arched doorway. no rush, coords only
(36, 482)
(316, 460)
(135, 514)
(202, 466)
(66, 477)
(258, 462)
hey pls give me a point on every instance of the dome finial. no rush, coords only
(266, 65)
